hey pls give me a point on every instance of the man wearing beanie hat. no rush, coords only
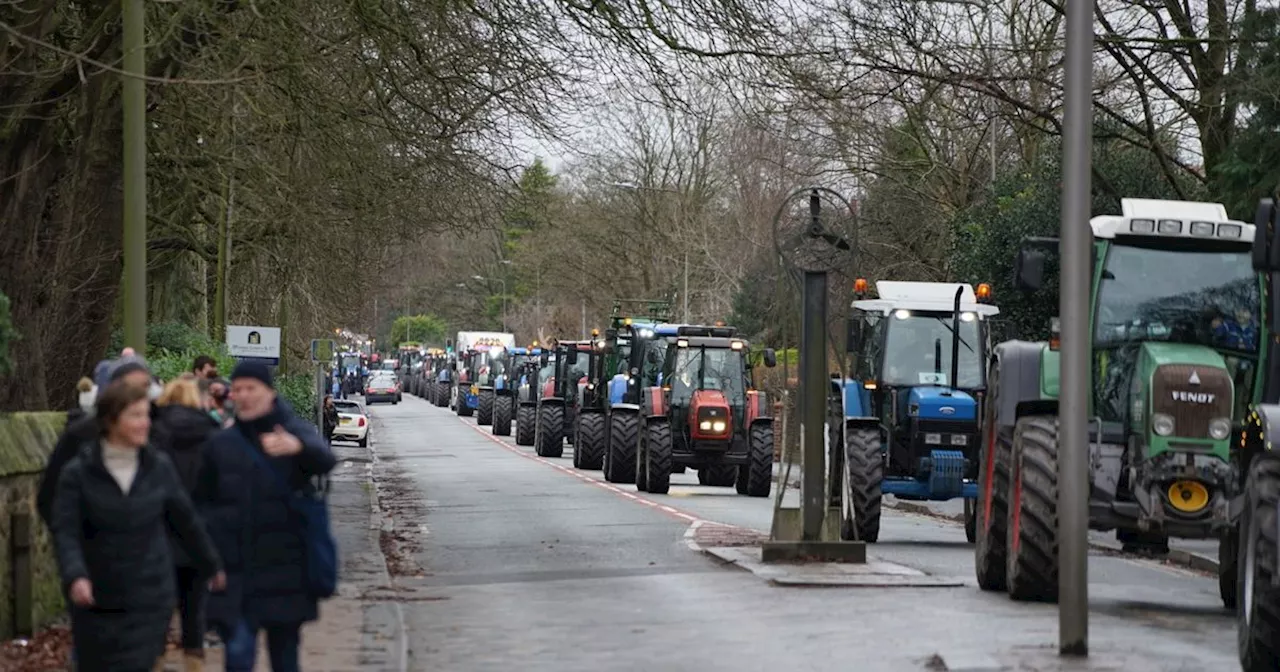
(252, 472)
(127, 370)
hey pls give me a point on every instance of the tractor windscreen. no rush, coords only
(1203, 296)
(547, 370)
(918, 351)
(580, 368)
(702, 368)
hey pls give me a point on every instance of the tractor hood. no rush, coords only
(709, 416)
(940, 403)
(1183, 353)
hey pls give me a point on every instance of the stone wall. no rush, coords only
(26, 439)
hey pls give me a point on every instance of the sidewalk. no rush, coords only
(355, 633)
(1198, 554)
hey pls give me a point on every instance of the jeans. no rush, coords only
(240, 646)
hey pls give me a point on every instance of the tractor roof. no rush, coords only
(924, 296)
(582, 345)
(714, 342)
(1151, 218)
(695, 330)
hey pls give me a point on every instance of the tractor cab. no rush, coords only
(708, 381)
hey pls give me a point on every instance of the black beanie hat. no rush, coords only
(255, 370)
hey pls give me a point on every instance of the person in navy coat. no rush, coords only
(258, 534)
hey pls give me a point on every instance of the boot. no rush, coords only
(193, 662)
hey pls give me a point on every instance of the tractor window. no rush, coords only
(1199, 295)
(651, 365)
(917, 351)
(579, 368)
(708, 369)
(869, 348)
(548, 370)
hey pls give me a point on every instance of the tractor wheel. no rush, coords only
(440, 396)
(588, 450)
(657, 457)
(970, 520)
(861, 479)
(550, 442)
(718, 475)
(526, 428)
(484, 414)
(464, 410)
(1032, 562)
(1229, 567)
(642, 472)
(1258, 598)
(502, 415)
(755, 479)
(992, 506)
(620, 467)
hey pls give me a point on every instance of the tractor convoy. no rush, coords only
(924, 406)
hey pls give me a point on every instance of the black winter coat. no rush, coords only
(254, 525)
(119, 542)
(77, 433)
(186, 431)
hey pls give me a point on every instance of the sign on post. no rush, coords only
(255, 344)
(322, 349)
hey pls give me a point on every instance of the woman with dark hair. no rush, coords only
(115, 504)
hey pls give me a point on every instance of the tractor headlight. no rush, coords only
(933, 439)
(705, 425)
(717, 426)
(959, 439)
(1220, 428)
(1162, 424)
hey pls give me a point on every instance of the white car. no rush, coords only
(353, 422)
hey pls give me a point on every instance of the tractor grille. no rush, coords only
(1192, 406)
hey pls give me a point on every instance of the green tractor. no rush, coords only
(1174, 362)
(609, 402)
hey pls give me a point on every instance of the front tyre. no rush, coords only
(1032, 562)
(623, 430)
(502, 415)
(657, 457)
(1258, 599)
(755, 479)
(862, 478)
(992, 507)
(484, 414)
(588, 450)
(526, 425)
(550, 431)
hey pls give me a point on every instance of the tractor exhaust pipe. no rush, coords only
(955, 340)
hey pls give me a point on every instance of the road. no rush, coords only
(505, 561)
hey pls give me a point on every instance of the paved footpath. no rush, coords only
(503, 560)
(359, 629)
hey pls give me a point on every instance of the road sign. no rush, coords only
(260, 344)
(322, 349)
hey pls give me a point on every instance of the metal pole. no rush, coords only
(813, 391)
(584, 320)
(320, 398)
(1073, 459)
(504, 304)
(686, 287)
(991, 103)
(135, 177)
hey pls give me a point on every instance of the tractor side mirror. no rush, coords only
(770, 358)
(1028, 269)
(572, 357)
(852, 334)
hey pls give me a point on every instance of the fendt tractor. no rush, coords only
(474, 350)
(557, 406)
(609, 403)
(1174, 360)
(705, 413)
(905, 422)
(518, 366)
(1257, 586)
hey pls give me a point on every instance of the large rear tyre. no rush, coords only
(656, 457)
(861, 478)
(718, 475)
(1032, 562)
(588, 449)
(550, 441)
(502, 415)
(526, 427)
(1258, 599)
(756, 478)
(620, 466)
(484, 414)
(992, 507)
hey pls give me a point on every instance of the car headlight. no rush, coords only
(1162, 424)
(1220, 428)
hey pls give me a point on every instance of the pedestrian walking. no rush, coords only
(263, 516)
(115, 502)
(188, 426)
(132, 370)
(331, 418)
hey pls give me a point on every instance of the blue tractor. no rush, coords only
(905, 421)
(512, 371)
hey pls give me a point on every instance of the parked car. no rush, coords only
(353, 422)
(382, 386)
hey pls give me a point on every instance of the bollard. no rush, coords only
(20, 543)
